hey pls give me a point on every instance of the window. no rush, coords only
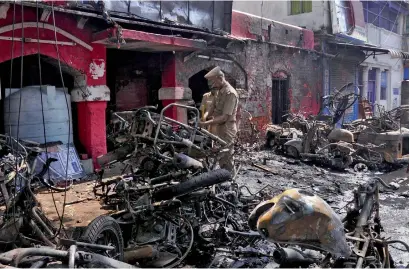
(381, 15)
(371, 86)
(383, 86)
(344, 16)
(300, 6)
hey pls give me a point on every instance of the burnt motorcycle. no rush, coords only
(149, 229)
(300, 218)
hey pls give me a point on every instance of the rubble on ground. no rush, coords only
(168, 205)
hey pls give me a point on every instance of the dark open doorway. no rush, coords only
(280, 100)
(199, 85)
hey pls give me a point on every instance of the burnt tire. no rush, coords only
(104, 226)
(198, 182)
(270, 141)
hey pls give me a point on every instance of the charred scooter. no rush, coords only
(300, 218)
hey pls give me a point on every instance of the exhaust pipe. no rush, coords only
(131, 256)
(183, 161)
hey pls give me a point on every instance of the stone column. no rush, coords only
(378, 85)
(389, 90)
(365, 77)
(173, 92)
(91, 95)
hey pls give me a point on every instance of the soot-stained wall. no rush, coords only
(262, 62)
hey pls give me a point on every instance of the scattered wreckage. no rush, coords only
(170, 208)
(313, 235)
(374, 143)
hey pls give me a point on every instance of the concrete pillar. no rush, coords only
(365, 77)
(389, 90)
(172, 91)
(378, 85)
(91, 95)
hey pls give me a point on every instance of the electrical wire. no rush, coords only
(11, 81)
(19, 109)
(69, 115)
(42, 106)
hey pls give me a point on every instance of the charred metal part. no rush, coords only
(17, 255)
(39, 220)
(181, 106)
(287, 222)
(290, 257)
(40, 234)
(115, 155)
(40, 263)
(132, 256)
(167, 177)
(10, 230)
(361, 167)
(183, 161)
(71, 256)
(251, 233)
(68, 242)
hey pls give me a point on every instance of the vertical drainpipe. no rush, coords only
(325, 81)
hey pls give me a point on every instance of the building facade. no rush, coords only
(367, 37)
(113, 56)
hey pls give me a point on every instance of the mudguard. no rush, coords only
(297, 143)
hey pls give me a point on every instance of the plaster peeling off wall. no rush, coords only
(97, 68)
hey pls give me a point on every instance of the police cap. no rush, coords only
(216, 72)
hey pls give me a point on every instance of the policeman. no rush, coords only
(223, 114)
(207, 101)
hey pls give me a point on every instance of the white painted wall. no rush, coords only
(319, 18)
(280, 11)
(383, 38)
(395, 77)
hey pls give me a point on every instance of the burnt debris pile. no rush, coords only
(171, 207)
(373, 143)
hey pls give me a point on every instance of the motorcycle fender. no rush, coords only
(297, 143)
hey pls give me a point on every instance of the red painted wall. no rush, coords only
(91, 115)
(133, 95)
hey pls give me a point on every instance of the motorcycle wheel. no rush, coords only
(104, 230)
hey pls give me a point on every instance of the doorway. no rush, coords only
(280, 100)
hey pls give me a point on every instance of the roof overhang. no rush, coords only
(374, 50)
(126, 39)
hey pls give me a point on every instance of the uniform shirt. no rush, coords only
(226, 103)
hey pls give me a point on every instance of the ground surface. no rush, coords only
(334, 187)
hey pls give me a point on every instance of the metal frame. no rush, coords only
(161, 117)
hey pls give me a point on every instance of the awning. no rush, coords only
(398, 54)
(368, 48)
(143, 41)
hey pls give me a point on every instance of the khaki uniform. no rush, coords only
(226, 103)
(206, 105)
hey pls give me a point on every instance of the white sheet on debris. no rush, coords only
(58, 168)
